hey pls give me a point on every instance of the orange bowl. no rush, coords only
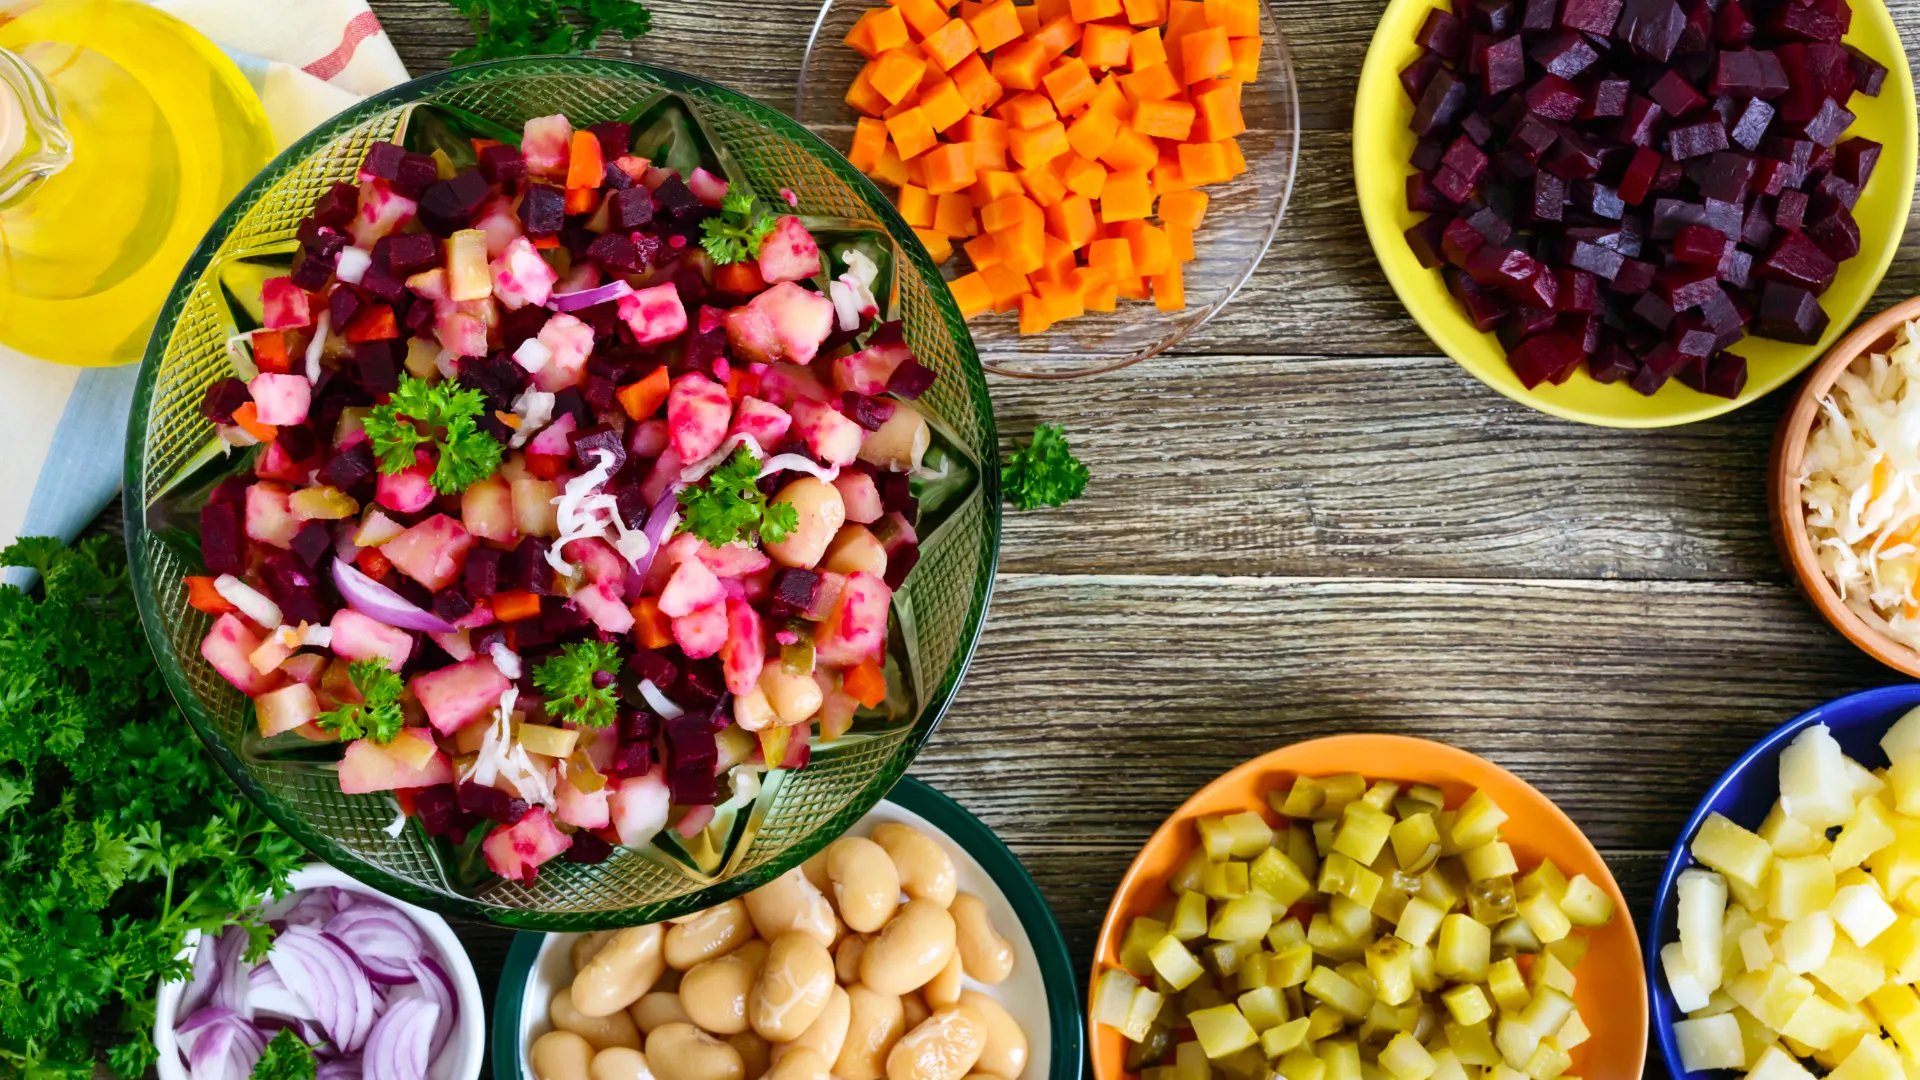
(1612, 989)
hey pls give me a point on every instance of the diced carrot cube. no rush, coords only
(1006, 286)
(863, 97)
(1218, 113)
(1246, 59)
(1236, 162)
(943, 105)
(970, 292)
(1027, 111)
(1023, 245)
(992, 185)
(270, 352)
(995, 25)
(1204, 55)
(1019, 66)
(953, 214)
(1145, 12)
(1109, 98)
(581, 200)
(1112, 255)
(950, 44)
(897, 73)
(860, 38)
(643, 398)
(1145, 49)
(1062, 300)
(1029, 18)
(1239, 18)
(1180, 238)
(1130, 150)
(1148, 84)
(923, 16)
(1035, 316)
(1042, 184)
(1057, 36)
(1168, 118)
(1069, 84)
(1004, 214)
(916, 206)
(891, 169)
(1084, 177)
(949, 168)
(937, 245)
(1152, 251)
(1187, 208)
(1092, 133)
(869, 142)
(1202, 163)
(912, 135)
(1037, 145)
(515, 605)
(975, 83)
(889, 29)
(982, 251)
(1128, 196)
(1105, 45)
(1169, 292)
(1071, 219)
(1086, 11)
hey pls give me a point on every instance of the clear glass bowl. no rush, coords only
(171, 448)
(1242, 215)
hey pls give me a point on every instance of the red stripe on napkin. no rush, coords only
(359, 28)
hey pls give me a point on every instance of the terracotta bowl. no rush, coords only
(1612, 990)
(1783, 485)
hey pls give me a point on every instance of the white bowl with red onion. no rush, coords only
(383, 990)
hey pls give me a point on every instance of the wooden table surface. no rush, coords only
(1308, 522)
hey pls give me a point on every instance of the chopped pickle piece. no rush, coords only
(1189, 917)
(1226, 957)
(1253, 970)
(1354, 921)
(1341, 790)
(1144, 1010)
(1304, 800)
(1515, 1041)
(1390, 962)
(1272, 873)
(1586, 904)
(551, 741)
(1467, 1003)
(1419, 921)
(1222, 1031)
(1508, 987)
(1380, 794)
(1573, 1032)
(1548, 1010)
(1149, 1051)
(1174, 963)
(1264, 1008)
(1190, 1062)
(1363, 832)
(1187, 878)
(1323, 1021)
(1276, 1041)
(1416, 842)
(1490, 860)
(1334, 989)
(1465, 949)
(1250, 834)
(1477, 821)
(1113, 997)
(1516, 937)
(1224, 880)
(1245, 918)
(1142, 932)
(1545, 918)
(1548, 1061)
(1344, 876)
(1472, 1043)
(1290, 966)
(1286, 932)
(1548, 971)
(1403, 1058)
(1215, 838)
(1342, 1057)
(1492, 901)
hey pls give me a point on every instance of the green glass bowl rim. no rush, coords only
(1002, 865)
(939, 700)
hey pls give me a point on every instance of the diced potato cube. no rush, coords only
(1516, 1042)
(1755, 951)
(1403, 1058)
(1777, 1064)
(1789, 836)
(1467, 1004)
(1334, 989)
(1688, 994)
(1865, 781)
(1225, 881)
(1799, 886)
(1547, 1012)
(1897, 1008)
(1276, 1041)
(1733, 851)
(1545, 918)
(1548, 971)
(1772, 995)
(1862, 912)
(1903, 780)
(1215, 838)
(1250, 832)
(1419, 920)
(1851, 972)
(1548, 1061)
(1303, 800)
(1820, 1024)
(1899, 948)
(1141, 933)
(1465, 950)
(1865, 833)
(1477, 821)
(1264, 1008)
(1508, 987)
(1174, 963)
(1814, 785)
(1416, 842)
(1490, 860)
(1903, 737)
(1585, 903)
(1472, 1043)
(1189, 917)
(1871, 1059)
(1701, 912)
(1390, 962)
(1222, 1031)
(1290, 966)
(1247, 918)
(1272, 873)
(1363, 832)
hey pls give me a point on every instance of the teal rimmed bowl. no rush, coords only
(172, 453)
(1042, 984)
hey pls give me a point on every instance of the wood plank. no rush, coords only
(1353, 467)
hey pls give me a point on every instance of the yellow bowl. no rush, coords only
(1382, 144)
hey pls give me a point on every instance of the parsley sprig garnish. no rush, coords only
(731, 506)
(735, 234)
(1044, 472)
(121, 835)
(378, 716)
(574, 691)
(535, 27)
(285, 1058)
(440, 418)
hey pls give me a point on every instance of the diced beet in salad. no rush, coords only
(575, 493)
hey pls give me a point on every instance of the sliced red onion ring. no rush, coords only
(269, 996)
(586, 298)
(376, 601)
(313, 908)
(339, 1069)
(326, 976)
(230, 958)
(398, 1047)
(655, 530)
(208, 1058)
(383, 943)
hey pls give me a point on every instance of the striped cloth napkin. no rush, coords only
(66, 426)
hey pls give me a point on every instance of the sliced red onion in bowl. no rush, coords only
(586, 298)
(205, 977)
(343, 1068)
(436, 986)
(398, 1048)
(376, 601)
(383, 943)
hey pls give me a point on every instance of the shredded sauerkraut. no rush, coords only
(1860, 485)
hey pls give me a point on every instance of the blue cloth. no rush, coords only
(86, 462)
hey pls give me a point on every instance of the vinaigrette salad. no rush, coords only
(580, 493)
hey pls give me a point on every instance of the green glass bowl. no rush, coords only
(525, 974)
(171, 449)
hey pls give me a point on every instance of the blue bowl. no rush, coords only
(1744, 794)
